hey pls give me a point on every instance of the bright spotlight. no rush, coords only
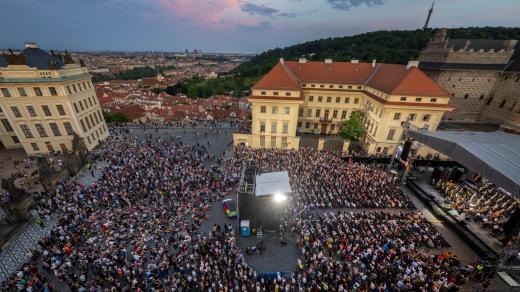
(279, 197)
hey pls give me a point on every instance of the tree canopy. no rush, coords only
(115, 117)
(352, 129)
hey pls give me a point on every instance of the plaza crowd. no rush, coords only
(345, 251)
(324, 179)
(138, 227)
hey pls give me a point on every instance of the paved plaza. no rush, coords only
(275, 258)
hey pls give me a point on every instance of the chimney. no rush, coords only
(328, 61)
(373, 63)
(31, 45)
(354, 61)
(281, 60)
(302, 61)
(412, 64)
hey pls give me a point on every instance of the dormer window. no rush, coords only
(419, 99)
(403, 98)
(287, 93)
(433, 100)
(263, 93)
(275, 93)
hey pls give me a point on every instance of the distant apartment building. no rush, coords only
(482, 76)
(44, 99)
(315, 97)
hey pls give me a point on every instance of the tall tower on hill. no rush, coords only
(429, 16)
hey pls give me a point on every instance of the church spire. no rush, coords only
(428, 18)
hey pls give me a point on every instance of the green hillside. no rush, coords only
(397, 46)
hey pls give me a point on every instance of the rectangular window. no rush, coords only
(53, 91)
(274, 110)
(262, 127)
(81, 105)
(287, 94)
(300, 112)
(326, 116)
(403, 98)
(299, 124)
(84, 86)
(318, 112)
(412, 117)
(74, 87)
(284, 142)
(320, 98)
(343, 115)
(356, 100)
(275, 93)
(35, 147)
(68, 89)
(6, 92)
(335, 114)
(90, 101)
(15, 139)
(338, 99)
(262, 109)
(263, 93)
(307, 125)
(315, 126)
(68, 128)
(41, 130)
(433, 100)
(37, 91)
(273, 141)
(61, 110)
(262, 141)
(16, 112)
(88, 83)
(22, 91)
(76, 108)
(96, 118)
(55, 130)
(329, 98)
(286, 110)
(7, 125)
(311, 98)
(83, 125)
(309, 113)
(31, 111)
(391, 134)
(347, 99)
(418, 99)
(46, 110)
(332, 127)
(26, 131)
(88, 123)
(397, 116)
(285, 128)
(273, 127)
(426, 118)
(88, 139)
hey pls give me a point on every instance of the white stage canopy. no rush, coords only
(272, 183)
(494, 155)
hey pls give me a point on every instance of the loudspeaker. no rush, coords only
(406, 150)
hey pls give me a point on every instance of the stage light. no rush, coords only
(279, 197)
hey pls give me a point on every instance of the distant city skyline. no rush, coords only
(241, 26)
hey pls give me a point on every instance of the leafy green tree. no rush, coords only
(115, 117)
(352, 129)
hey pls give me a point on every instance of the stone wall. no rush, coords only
(504, 107)
(469, 90)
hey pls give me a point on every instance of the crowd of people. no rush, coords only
(375, 251)
(483, 203)
(138, 227)
(324, 179)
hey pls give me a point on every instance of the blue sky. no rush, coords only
(227, 25)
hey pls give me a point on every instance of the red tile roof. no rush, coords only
(280, 77)
(390, 78)
(132, 112)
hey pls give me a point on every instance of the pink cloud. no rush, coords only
(202, 11)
